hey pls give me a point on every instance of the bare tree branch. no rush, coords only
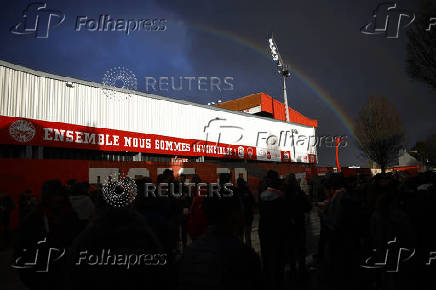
(380, 131)
(421, 47)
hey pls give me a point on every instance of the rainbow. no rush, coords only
(319, 91)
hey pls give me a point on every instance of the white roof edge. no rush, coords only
(98, 85)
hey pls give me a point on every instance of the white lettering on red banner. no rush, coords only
(42, 133)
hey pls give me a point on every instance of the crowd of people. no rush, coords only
(204, 241)
(376, 218)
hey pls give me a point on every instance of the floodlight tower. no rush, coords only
(282, 69)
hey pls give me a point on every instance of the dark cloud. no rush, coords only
(215, 38)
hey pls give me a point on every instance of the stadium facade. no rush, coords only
(60, 127)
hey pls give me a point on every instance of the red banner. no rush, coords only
(41, 133)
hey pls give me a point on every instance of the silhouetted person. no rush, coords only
(248, 202)
(130, 255)
(219, 259)
(389, 221)
(155, 210)
(81, 202)
(185, 202)
(7, 205)
(197, 222)
(53, 224)
(69, 185)
(26, 203)
(326, 194)
(298, 204)
(273, 230)
(174, 204)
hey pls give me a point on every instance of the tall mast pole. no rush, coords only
(283, 70)
(285, 96)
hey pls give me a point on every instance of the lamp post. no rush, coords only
(282, 69)
(338, 140)
(285, 96)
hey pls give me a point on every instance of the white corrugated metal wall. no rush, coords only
(46, 97)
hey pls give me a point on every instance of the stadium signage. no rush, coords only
(53, 134)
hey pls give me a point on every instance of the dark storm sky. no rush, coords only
(322, 38)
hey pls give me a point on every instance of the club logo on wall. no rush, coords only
(286, 156)
(241, 152)
(22, 131)
(260, 152)
(250, 152)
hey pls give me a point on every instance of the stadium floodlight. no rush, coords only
(283, 70)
